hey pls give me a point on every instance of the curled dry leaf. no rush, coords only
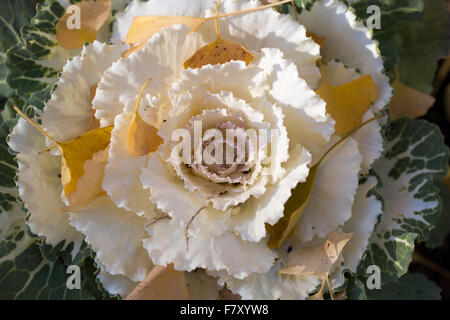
(348, 103)
(89, 186)
(219, 52)
(143, 138)
(316, 260)
(408, 102)
(93, 14)
(76, 152)
(162, 283)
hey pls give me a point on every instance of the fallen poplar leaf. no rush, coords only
(408, 102)
(162, 283)
(89, 186)
(76, 152)
(144, 27)
(142, 137)
(316, 260)
(293, 210)
(348, 103)
(93, 16)
(219, 52)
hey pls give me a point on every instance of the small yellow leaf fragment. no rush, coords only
(162, 283)
(144, 27)
(348, 103)
(408, 102)
(76, 152)
(219, 52)
(89, 185)
(293, 210)
(92, 16)
(142, 137)
(316, 260)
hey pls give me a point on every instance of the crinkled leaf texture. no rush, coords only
(14, 14)
(30, 269)
(416, 157)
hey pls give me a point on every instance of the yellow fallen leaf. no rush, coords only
(219, 52)
(408, 102)
(300, 195)
(316, 260)
(162, 283)
(89, 185)
(142, 137)
(144, 27)
(76, 152)
(348, 103)
(293, 210)
(93, 15)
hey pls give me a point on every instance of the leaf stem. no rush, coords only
(348, 135)
(23, 115)
(225, 15)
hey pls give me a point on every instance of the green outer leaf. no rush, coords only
(395, 14)
(423, 43)
(411, 286)
(30, 269)
(14, 14)
(416, 157)
(27, 74)
(412, 37)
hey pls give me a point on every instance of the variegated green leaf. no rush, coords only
(415, 159)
